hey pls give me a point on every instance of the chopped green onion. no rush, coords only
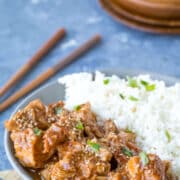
(132, 82)
(127, 130)
(168, 136)
(132, 98)
(122, 96)
(151, 87)
(148, 87)
(106, 81)
(77, 108)
(94, 146)
(127, 152)
(144, 83)
(79, 125)
(144, 158)
(37, 131)
(58, 110)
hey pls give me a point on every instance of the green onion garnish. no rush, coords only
(132, 82)
(37, 131)
(132, 98)
(151, 87)
(122, 96)
(127, 152)
(77, 108)
(148, 87)
(168, 136)
(58, 110)
(127, 130)
(79, 125)
(94, 146)
(144, 158)
(144, 83)
(106, 81)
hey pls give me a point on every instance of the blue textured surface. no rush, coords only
(25, 25)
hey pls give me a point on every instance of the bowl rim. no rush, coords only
(146, 19)
(7, 142)
(131, 23)
(119, 72)
(155, 5)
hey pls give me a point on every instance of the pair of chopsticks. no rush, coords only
(47, 74)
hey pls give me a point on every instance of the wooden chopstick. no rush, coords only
(51, 71)
(34, 60)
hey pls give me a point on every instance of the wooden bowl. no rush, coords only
(121, 17)
(163, 9)
(145, 19)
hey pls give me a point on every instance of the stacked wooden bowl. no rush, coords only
(157, 16)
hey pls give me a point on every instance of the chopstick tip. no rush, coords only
(98, 37)
(62, 31)
(1, 109)
(1, 93)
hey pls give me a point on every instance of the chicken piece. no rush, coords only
(109, 126)
(12, 124)
(84, 112)
(118, 147)
(80, 165)
(73, 146)
(88, 118)
(104, 154)
(55, 111)
(28, 148)
(66, 167)
(55, 108)
(77, 161)
(34, 149)
(168, 170)
(52, 137)
(127, 137)
(37, 113)
(33, 115)
(46, 172)
(114, 176)
(154, 170)
(70, 126)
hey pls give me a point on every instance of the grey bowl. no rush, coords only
(54, 92)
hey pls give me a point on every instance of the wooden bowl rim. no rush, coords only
(149, 4)
(146, 19)
(137, 25)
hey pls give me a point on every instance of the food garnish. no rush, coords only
(37, 131)
(94, 146)
(122, 96)
(77, 107)
(148, 87)
(58, 110)
(79, 125)
(144, 158)
(127, 152)
(132, 98)
(132, 82)
(127, 130)
(106, 81)
(168, 135)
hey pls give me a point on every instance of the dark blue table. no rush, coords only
(25, 25)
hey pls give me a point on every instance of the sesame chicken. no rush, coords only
(58, 144)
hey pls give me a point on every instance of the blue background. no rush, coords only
(25, 25)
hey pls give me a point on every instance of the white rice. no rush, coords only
(150, 117)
